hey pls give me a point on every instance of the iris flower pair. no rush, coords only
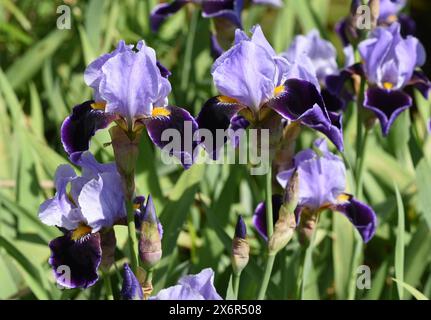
(322, 185)
(130, 88)
(255, 84)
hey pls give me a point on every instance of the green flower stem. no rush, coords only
(133, 242)
(361, 142)
(108, 285)
(269, 231)
(235, 283)
(266, 276)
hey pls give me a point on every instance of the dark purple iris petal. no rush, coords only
(421, 82)
(163, 70)
(214, 115)
(333, 102)
(163, 11)
(227, 9)
(408, 25)
(300, 101)
(180, 121)
(361, 215)
(78, 128)
(387, 105)
(259, 217)
(82, 257)
(335, 132)
(131, 289)
(236, 123)
(336, 84)
(340, 29)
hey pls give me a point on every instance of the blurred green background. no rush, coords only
(41, 79)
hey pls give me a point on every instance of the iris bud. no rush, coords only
(150, 244)
(285, 226)
(240, 247)
(131, 289)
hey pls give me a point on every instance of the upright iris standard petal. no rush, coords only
(132, 83)
(321, 178)
(181, 125)
(390, 8)
(387, 105)
(321, 53)
(259, 216)
(246, 73)
(81, 258)
(361, 215)
(131, 289)
(192, 287)
(78, 128)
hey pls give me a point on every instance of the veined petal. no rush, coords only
(183, 123)
(361, 215)
(387, 105)
(78, 128)
(217, 113)
(82, 257)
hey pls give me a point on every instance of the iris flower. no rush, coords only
(190, 287)
(322, 184)
(254, 82)
(390, 65)
(131, 88)
(84, 208)
(227, 9)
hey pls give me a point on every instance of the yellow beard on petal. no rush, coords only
(226, 99)
(278, 90)
(160, 112)
(344, 197)
(80, 232)
(101, 105)
(388, 85)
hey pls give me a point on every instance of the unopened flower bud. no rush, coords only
(284, 229)
(126, 151)
(131, 287)
(291, 194)
(240, 247)
(150, 244)
(108, 243)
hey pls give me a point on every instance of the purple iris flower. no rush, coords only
(131, 88)
(85, 208)
(322, 182)
(252, 80)
(131, 289)
(321, 53)
(191, 287)
(390, 8)
(389, 63)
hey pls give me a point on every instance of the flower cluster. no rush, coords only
(299, 89)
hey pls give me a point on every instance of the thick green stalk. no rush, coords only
(266, 276)
(133, 242)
